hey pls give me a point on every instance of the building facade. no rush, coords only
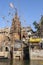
(26, 32)
(3, 33)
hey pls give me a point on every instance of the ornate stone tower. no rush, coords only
(15, 28)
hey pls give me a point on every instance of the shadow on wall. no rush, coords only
(26, 53)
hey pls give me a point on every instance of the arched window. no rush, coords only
(6, 49)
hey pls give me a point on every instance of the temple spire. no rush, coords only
(15, 27)
(16, 12)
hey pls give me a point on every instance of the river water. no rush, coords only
(18, 62)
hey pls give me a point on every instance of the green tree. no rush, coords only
(37, 27)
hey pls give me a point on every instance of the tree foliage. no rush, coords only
(36, 25)
(39, 26)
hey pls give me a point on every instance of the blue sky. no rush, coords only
(28, 11)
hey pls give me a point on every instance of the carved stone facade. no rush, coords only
(15, 28)
(4, 32)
